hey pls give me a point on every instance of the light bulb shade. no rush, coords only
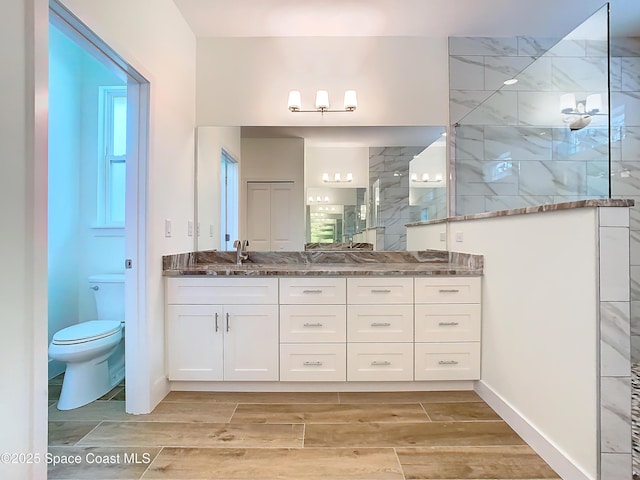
(594, 103)
(349, 177)
(295, 102)
(337, 177)
(325, 177)
(568, 103)
(350, 100)
(322, 100)
(425, 177)
(414, 177)
(438, 177)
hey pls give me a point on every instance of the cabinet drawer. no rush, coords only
(313, 362)
(448, 290)
(448, 361)
(312, 323)
(309, 291)
(379, 290)
(228, 291)
(380, 361)
(380, 323)
(448, 322)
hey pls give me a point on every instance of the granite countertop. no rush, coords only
(324, 263)
(548, 207)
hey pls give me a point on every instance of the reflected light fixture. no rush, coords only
(578, 113)
(424, 178)
(322, 102)
(337, 178)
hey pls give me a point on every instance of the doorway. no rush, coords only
(97, 166)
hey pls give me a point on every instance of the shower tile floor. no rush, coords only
(315, 436)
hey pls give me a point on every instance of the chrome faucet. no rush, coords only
(241, 251)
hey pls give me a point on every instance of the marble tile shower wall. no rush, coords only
(625, 158)
(391, 166)
(512, 147)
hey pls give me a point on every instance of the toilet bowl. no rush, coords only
(93, 350)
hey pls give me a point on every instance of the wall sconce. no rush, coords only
(424, 178)
(337, 178)
(322, 102)
(578, 113)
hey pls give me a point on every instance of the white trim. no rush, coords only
(536, 439)
(322, 386)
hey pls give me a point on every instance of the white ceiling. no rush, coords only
(431, 18)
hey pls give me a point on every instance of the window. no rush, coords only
(228, 201)
(112, 153)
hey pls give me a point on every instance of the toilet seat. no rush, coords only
(86, 332)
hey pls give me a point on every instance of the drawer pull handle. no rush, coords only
(380, 324)
(449, 290)
(313, 324)
(312, 291)
(313, 364)
(448, 362)
(377, 363)
(448, 324)
(217, 327)
(227, 322)
(380, 290)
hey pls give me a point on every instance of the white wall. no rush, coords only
(399, 80)
(211, 141)
(539, 320)
(23, 211)
(65, 88)
(274, 159)
(164, 51)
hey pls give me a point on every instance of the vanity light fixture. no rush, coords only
(337, 178)
(424, 178)
(317, 199)
(322, 102)
(578, 113)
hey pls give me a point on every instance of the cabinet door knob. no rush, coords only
(312, 291)
(378, 363)
(448, 324)
(380, 324)
(227, 321)
(313, 324)
(312, 364)
(380, 290)
(449, 290)
(217, 328)
(448, 362)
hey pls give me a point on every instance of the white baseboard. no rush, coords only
(542, 446)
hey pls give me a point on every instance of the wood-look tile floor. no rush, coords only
(291, 436)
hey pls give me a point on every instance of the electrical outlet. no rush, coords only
(167, 228)
(459, 237)
(443, 236)
(190, 228)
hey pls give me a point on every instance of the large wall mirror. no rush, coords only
(344, 181)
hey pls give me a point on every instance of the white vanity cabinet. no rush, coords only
(312, 329)
(380, 329)
(222, 329)
(447, 328)
(323, 329)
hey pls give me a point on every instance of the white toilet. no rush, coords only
(93, 350)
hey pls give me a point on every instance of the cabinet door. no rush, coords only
(251, 342)
(194, 342)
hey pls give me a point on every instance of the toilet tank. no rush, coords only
(108, 290)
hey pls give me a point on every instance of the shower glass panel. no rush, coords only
(531, 119)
